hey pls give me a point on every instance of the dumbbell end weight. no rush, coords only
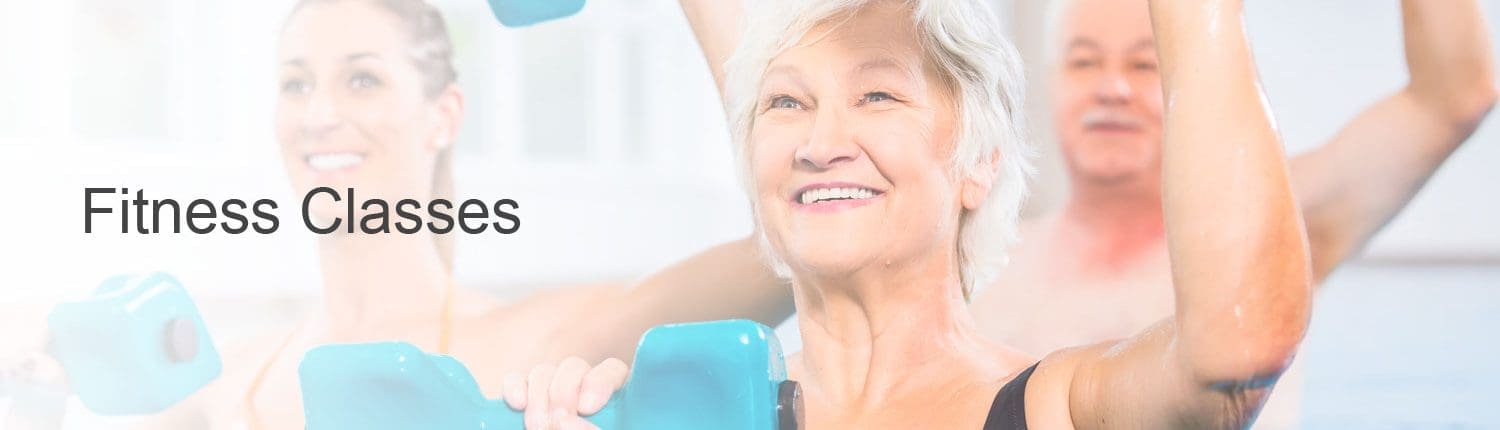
(788, 405)
(137, 345)
(521, 13)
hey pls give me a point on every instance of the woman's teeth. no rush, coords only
(334, 161)
(825, 194)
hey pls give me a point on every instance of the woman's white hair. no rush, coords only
(963, 39)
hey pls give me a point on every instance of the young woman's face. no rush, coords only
(351, 110)
(851, 146)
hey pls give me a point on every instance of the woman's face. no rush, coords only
(850, 150)
(351, 111)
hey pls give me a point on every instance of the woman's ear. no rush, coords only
(979, 180)
(450, 115)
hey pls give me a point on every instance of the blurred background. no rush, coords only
(605, 127)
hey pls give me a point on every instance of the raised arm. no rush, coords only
(1238, 252)
(716, 24)
(1356, 183)
(728, 281)
(1238, 248)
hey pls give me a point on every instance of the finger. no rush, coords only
(514, 389)
(46, 370)
(566, 383)
(536, 396)
(601, 383)
(562, 420)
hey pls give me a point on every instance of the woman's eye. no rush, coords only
(877, 96)
(362, 81)
(295, 86)
(1144, 66)
(785, 102)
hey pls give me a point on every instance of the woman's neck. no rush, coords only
(370, 281)
(880, 336)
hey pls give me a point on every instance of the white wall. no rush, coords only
(1322, 62)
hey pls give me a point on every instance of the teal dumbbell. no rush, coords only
(723, 375)
(136, 346)
(521, 13)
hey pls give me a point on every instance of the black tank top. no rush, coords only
(1008, 412)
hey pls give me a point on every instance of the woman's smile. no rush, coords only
(833, 196)
(334, 161)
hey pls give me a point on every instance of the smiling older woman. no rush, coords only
(880, 145)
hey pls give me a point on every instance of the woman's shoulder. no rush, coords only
(1047, 385)
(1008, 360)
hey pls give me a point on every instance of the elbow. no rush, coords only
(1474, 103)
(1484, 98)
(1266, 359)
(1465, 105)
(1249, 362)
(1252, 368)
(1254, 342)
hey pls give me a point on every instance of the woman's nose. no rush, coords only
(828, 145)
(321, 116)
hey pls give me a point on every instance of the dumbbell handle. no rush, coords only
(513, 419)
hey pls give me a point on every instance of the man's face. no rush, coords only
(1106, 93)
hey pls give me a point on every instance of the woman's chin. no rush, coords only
(824, 265)
(323, 214)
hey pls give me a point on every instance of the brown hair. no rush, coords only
(432, 54)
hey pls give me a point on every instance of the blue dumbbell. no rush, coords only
(521, 13)
(722, 375)
(136, 346)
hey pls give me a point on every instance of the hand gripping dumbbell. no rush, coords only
(137, 345)
(521, 13)
(721, 375)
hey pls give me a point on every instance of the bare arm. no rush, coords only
(1239, 256)
(1356, 183)
(728, 281)
(716, 24)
